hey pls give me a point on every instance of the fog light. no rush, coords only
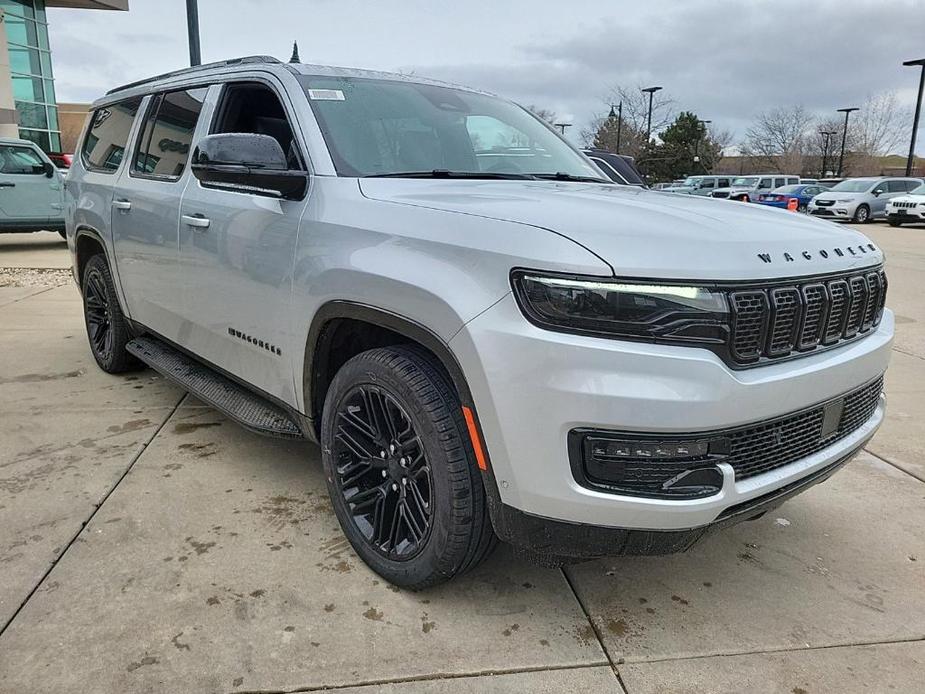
(643, 466)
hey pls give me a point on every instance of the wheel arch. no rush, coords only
(317, 373)
(87, 243)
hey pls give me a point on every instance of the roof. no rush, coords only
(232, 65)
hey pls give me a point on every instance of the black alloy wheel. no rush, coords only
(401, 470)
(107, 328)
(382, 472)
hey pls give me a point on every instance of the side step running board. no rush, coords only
(247, 408)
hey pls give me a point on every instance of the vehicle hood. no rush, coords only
(643, 233)
(677, 189)
(829, 195)
(907, 198)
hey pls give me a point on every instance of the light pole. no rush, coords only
(651, 92)
(704, 123)
(910, 162)
(826, 135)
(844, 137)
(619, 117)
(192, 28)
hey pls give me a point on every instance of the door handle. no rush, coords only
(7, 184)
(196, 220)
(122, 204)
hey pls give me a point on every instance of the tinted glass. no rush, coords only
(854, 185)
(164, 146)
(381, 127)
(108, 133)
(20, 160)
(789, 189)
(765, 183)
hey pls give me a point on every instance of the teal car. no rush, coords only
(31, 189)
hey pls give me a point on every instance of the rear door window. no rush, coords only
(765, 183)
(164, 146)
(104, 145)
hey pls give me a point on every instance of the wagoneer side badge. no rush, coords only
(822, 253)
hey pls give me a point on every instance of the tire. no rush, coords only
(400, 469)
(894, 222)
(63, 234)
(107, 329)
(862, 214)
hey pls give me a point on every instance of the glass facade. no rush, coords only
(30, 68)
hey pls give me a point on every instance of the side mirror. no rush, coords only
(876, 193)
(50, 169)
(247, 163)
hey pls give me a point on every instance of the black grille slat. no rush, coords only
(775, 321)
(750, 311)
(815, 305)
(785, 320)
(857, 287)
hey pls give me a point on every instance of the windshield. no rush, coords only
(918, 191)
(383, 127)
(692, 181)
(748, 181)
(855, 185)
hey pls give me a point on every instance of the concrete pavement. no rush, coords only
(147, 545)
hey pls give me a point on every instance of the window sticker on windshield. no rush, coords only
(326, 94)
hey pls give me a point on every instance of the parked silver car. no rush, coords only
(861, 199)
(748, 188)
(486, 337)
(699, 185)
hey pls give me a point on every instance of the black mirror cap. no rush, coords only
(247, 163)
(241, 149)
(50, 169)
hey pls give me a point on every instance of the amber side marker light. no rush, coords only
(474, 437)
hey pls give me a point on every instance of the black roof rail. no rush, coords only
(247, 60)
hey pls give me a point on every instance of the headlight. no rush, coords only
(651, 312)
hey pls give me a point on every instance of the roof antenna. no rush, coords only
(295, 53)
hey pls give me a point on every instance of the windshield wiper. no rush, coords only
(446, 173)
(562, 176)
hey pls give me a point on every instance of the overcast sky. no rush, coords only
(725, 61)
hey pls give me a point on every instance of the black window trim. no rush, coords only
(83, 142)
(219, 112)
(32, 148)
(154, 107)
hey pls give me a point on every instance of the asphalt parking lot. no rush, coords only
(147, 544)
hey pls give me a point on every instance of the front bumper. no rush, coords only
(915, 214)
(532, 387)
(840, 210)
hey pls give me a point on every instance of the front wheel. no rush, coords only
(894, 222)
(862, 214)
(400, 470)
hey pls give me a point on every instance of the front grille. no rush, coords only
(720, 194)
(904, 205)
(777, 321)
(750, 450)
(823, 213)
(825, 203)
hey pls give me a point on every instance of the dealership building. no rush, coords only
(28, 108)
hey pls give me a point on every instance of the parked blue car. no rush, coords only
(780, 197)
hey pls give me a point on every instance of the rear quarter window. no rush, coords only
(107, 135)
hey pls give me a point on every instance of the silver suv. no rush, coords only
(749, 188)
(487, 338)
(861, 199)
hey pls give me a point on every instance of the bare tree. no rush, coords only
(777, 138)
(543, 113)
(875, 131)
(719, 141)
(601, 131)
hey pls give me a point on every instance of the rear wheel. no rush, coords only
(107, 329)
(400, 471)
(63, 234)
(862, 214)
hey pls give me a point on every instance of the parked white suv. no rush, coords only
(487, 338)
(749, 188)
(904, 209)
